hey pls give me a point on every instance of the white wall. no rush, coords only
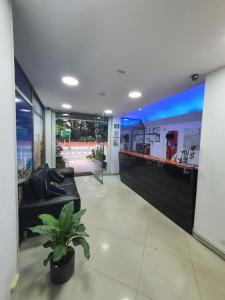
(8, 201)
(210, 203)
(158, 149)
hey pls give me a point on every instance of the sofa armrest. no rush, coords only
(67, 172)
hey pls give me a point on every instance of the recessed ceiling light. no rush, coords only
(65, 115)
(25, 110)
(135, 94)
(18, 100)
(68, 80)
(125, 119)
(108, 111)
(140, 108)
(67, 106)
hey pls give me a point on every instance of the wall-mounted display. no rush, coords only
(24, 133)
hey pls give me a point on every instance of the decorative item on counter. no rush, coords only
(183, 156)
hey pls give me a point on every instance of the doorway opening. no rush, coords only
(81, 143)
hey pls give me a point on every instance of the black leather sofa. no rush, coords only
(36, 201)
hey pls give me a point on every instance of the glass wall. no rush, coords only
(24, 132)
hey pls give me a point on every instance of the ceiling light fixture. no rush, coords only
(125, 119)
(140, 109)
(135, 94)
(18, 100)
(65, 115)
(69, 80)
(67, 106)
(108, 111)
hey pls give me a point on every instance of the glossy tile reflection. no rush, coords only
(136, 254)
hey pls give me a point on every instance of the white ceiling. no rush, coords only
(159, 42)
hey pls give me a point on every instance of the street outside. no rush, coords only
(75, 155)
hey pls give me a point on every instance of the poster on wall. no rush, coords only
(192, 138)
(153, 134)
(24, 135)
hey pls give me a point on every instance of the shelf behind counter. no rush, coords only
(166, 184)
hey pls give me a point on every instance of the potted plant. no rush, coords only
(63, 232)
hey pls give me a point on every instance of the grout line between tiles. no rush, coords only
(107, 276)
(193, 267)
(142, 258)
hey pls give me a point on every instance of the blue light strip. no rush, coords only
(191, 100)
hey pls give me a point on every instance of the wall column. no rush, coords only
(8, 181)
(210, 203)
(114, 145)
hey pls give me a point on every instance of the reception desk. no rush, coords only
(167, 185)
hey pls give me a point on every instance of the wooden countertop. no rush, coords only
(160, 160)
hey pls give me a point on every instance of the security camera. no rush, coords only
(194, 77)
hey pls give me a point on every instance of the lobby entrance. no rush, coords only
(81, 143)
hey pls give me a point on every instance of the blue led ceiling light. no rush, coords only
(189, 101)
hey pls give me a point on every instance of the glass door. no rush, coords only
(82, 143)
(100, 153)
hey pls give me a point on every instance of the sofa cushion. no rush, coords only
(52, 188)
(69, 186)
(55, 175)
(37, 182)
(67, 172)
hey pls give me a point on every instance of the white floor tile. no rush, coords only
(164, 276)
(120, 259)
(211, 283)
(202, 255)
(91, 285)
(166, 236)
(130, 227)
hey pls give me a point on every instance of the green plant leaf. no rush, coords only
(46, 260)
(81, 233)
(44, 229)
(81, 241)
(80, 227)
(49, 220)
(59, 252)
(65, 218)
(77, 216)
(49, 244)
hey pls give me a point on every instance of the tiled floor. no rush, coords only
(136, 254)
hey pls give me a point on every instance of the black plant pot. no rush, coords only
(62, 270)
